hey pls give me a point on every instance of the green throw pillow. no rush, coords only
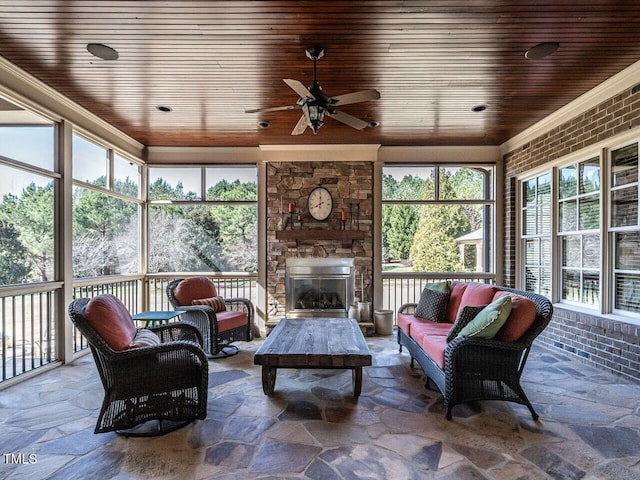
(443, 287)
(488, 322)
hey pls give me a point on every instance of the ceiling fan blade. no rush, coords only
(300, 127)
(298, 87)
(272, 109)
(348, 119)
(355, 97)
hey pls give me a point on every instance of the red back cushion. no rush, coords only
(455, 296)
(191, 289)
(523, 314)
(111, 319)
(477, 294)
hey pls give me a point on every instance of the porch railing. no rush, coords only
(27, 328)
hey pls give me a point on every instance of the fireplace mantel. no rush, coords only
(293, 236)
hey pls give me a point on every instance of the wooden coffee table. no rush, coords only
(313, 343)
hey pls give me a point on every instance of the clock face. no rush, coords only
(320, 203)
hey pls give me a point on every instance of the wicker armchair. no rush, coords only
(221, 321)
(166, 382)
(480, 369)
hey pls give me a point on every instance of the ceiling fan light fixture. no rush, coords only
(102, 51)
(541, 50)
(315, 115)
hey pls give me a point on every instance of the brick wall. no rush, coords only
(597, 340)
(601, 341)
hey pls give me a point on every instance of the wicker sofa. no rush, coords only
(470, 368)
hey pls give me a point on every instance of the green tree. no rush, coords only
(401, 223)
(434, 248)
(31, 215)
(13, 267)
(98, 222)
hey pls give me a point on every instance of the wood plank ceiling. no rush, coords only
(431, 61)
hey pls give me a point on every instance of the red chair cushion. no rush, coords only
(230, 320)
(111, 320)
(191, 289)
(523, 314)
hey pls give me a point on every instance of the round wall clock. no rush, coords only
(320, 203)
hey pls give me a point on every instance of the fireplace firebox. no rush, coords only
(319, 287)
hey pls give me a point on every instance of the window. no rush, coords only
(625, 228)
(126, 176)
(27, 219)
(437, 219)
(536, 233)
(579, 231)
(584, 257)
(106, 211)
(217, 234)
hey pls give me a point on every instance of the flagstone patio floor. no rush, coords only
(312, 428)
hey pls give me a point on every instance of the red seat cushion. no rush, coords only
(420, 330)
(111, 320)
(523, 314)
(433, 339)
(405, 320)
(229, 320)
(191, 289)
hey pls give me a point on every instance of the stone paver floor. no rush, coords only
(313, 429)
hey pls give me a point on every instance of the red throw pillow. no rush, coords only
(111, 320)
(217, 303)
(191, 289)
(523, 314)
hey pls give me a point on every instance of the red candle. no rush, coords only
(343, 216)
(290, 207)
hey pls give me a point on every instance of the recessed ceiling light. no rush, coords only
(102, 51)
(541, 50)
(374, 124)
(479, 108)
(264, 124)
(164, 108)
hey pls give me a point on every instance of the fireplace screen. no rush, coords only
(319, 294)
(319, 287)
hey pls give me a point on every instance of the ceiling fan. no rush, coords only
(315, 104)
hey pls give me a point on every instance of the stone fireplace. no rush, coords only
(319, 287)
(350, 184)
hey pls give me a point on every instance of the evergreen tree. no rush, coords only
(13, 267)
(31, 215)
(434, 248)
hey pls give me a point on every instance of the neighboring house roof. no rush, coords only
(471, 237)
